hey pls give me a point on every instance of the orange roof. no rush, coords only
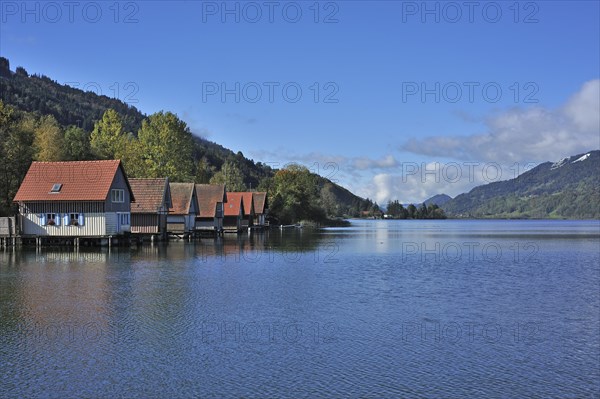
(208, 196)
(181, 198)
(150, 194)
(260, 202)
(233, 204)
(79, 180)
(248, 202)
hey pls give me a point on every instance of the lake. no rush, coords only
(414, 309)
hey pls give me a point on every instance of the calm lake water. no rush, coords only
(408, 309)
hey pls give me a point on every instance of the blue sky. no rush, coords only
(409, 93)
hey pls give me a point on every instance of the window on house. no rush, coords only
(56, 188)
(51, 219)
(74, 219)
(117, 195)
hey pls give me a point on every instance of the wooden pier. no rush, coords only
(8, 232)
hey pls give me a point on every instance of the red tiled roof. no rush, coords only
(208, 196)
(248, 202)
(149, 194)
(81, 181)
(233, 204)
(260, 202)
(181, 198)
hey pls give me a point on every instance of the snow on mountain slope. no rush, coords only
(583, 158)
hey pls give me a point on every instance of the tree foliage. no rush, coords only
(49, 140)
(77, 144)
(230, 175)
(167, 146)
(295, 195)
(396, 210)
(107, 138)
(17, 134)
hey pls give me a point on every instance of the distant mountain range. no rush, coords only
(569, 188)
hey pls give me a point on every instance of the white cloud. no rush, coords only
(383, 184)
(415, 182)
(532, 134)
(324, 163)
(515, 141)
(584, 107)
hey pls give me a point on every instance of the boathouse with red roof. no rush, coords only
(75, 199)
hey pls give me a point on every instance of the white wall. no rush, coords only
(94, 225)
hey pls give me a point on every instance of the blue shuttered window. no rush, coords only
(65, 219)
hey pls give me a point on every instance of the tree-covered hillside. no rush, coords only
(68, 105)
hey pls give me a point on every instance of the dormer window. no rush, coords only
(56, 188)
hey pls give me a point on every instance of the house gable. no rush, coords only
(152, 195)
(234, 205)
(260, 202)
(120, 182)
(184, 200)
(208, 197)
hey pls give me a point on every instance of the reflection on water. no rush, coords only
(380, 309)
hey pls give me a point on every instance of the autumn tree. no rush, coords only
(49, 140)
(107, 138)
(131, 153)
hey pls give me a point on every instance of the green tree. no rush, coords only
(49, 140)
(204, 171)
(167, 145)
(230, 175)
(396, 210)
(108, 137)
(329, 201)
(77, 144)
(412, 211)
(422, 212)
(17, 133)
(131, 154)
(435, 212)
(266, 184)
(296, 195)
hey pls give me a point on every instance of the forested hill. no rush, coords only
(49, 121)
(569, 188)
(70, 106)
(74, 107)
